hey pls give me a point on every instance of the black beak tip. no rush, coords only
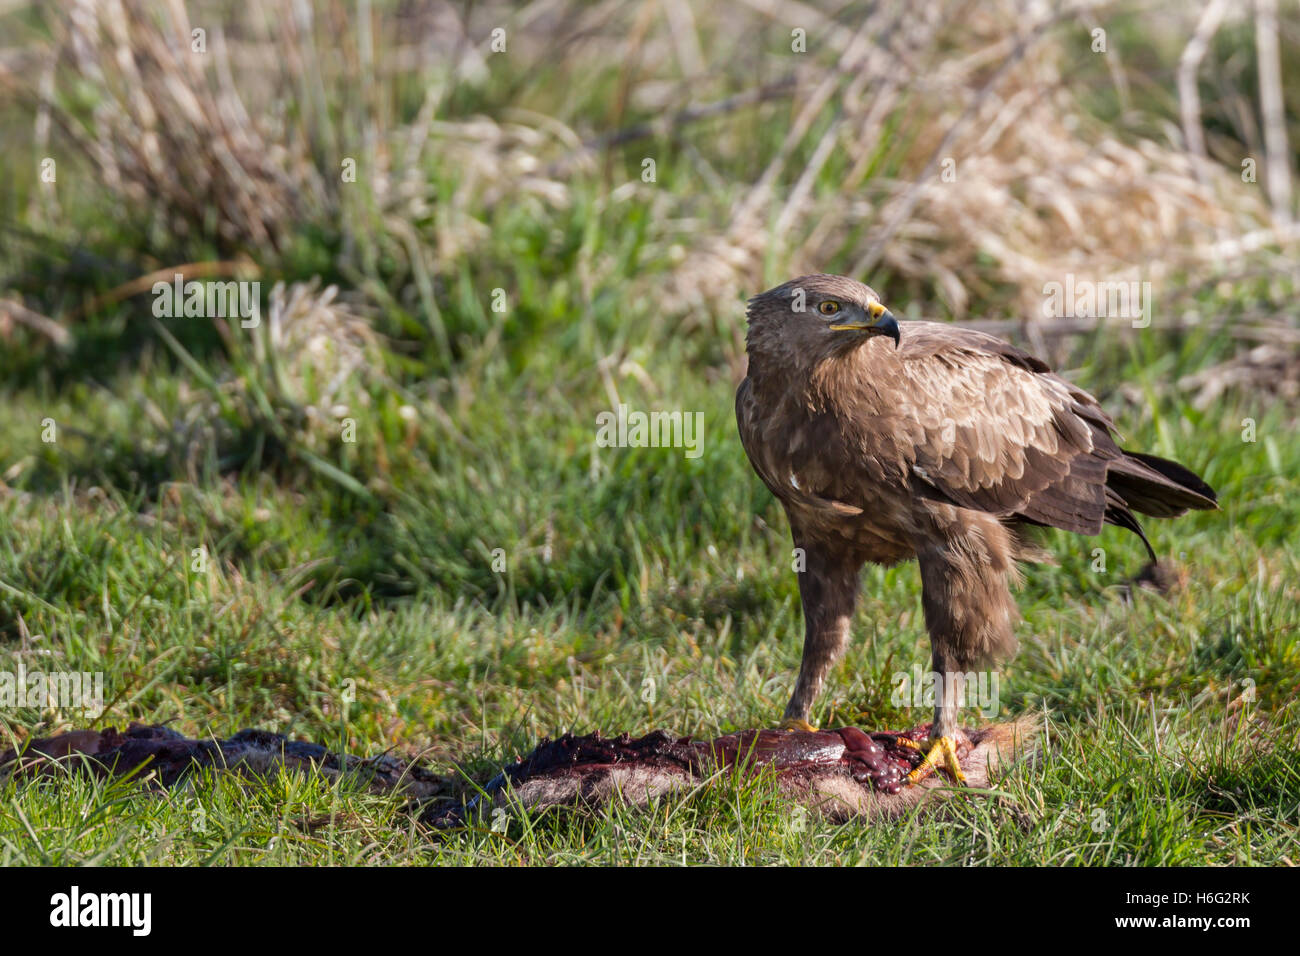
(889, 326)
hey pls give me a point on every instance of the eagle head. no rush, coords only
(816, 315)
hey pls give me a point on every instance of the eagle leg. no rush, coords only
(967, 563)
(828, 591)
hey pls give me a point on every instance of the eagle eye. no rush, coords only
(829, 307)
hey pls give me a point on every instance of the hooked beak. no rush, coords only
(880, 322)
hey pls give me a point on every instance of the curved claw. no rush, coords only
(939, 752)
(797, 723)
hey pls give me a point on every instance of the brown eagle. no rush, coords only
(889, 440)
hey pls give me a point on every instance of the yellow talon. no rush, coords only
(797, 723)
(939, 752)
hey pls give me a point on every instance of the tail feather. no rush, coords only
(1158, 487)
(1117, 514)
(1153, 486)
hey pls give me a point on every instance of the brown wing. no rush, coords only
(991, 428)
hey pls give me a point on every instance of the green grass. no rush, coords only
(661, 568)
(349, 595)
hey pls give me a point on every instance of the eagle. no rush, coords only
(887, 441)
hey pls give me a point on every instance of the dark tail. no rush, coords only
(1152, 486)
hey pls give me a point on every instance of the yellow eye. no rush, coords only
(828, 307)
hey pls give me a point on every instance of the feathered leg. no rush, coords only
(828, 590)
(966, 571)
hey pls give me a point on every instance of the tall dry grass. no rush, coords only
(993, 174)
(940, 149)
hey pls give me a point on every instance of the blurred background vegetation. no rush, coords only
(786, 137)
